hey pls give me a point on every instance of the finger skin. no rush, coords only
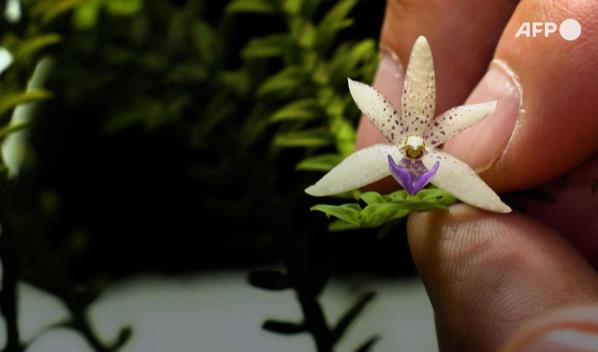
(487, 273)
(558, 128)
(583, 318)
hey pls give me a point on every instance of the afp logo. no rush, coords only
(569, 29)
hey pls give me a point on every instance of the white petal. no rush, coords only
(357, 170)
(457, 178)
(377, 108)
(419, 94)
(455, 120)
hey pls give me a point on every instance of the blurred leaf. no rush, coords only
(346, 212)
(266, 47)
(7, 130)
(323, 162)
(308, 138)
(594, 186)
(335, 20)
(251, 6)
(368, 344)
(271, 280)
(205, 40)
(123, 7)
(350, 315)
(283, 82)
(283, 327)
(54, 9)
(31, 46)
(10, 101)
(302, 109)
(86, 14)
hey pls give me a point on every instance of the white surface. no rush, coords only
(222, 313)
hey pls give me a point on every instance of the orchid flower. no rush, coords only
(413, 158)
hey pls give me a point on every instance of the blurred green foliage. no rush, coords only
(172, 129)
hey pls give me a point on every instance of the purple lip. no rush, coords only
(411, 174)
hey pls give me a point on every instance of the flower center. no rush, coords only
(414, 147)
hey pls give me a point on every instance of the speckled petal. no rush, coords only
(455, 120)
(357, 170)
(377, 109)
(457, 178)
(418, 102)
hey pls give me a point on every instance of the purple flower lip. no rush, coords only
(411, 174)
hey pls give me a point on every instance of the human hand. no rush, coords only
(508, 280)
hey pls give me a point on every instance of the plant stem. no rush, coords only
(315, 321)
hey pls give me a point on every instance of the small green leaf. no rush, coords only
(123, 7)
(372, 198)
(322, 163)
(375, 215)
(335, 20)
(307, 138)
(346, 212)
(31, 46)
(283, 82)
(340, 225)
(271, 46)
(251, 6)
(303, 109)
(10, 101)
(86, 14)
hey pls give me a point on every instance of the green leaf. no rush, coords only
(123, 7)
(335, 20)
(86, 14)
(340, 225)
(350, 315)
(7, 130)
(308, 138)
(31, 46)
(324, 162)
(346, 212)
(375, 215)
(303, 109)
(56, 9)
(251, 6)
(372, 198)
(283, 82)
(205, 40)
(10, 101)
(271, 46)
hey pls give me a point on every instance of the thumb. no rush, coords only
(545, 121)
(487, 273)
(572, 329)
